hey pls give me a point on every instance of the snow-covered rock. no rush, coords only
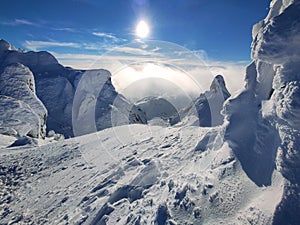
(56, 86)
(21, 109)
(158, 108)
(5, 46)
(40, 63)
(209, 105)
(53, 83)
(267, 133)
(98, 106)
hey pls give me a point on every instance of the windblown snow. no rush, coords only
(151, 163)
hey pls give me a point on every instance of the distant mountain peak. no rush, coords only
(5, 46)
(218, 85)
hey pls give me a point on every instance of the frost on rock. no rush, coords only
(5, 46)
(21, 108)
(52, 81)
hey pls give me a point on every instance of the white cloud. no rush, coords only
(110, 36)
(68, 29)
(126, 50)
(203, 73)
(37, 45)
(17, 22)
(233, 73)
(78, 61)
(25, 22)
(105, 35)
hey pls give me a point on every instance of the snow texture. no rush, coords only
(98, 106)
(158, 109)
(143, 175)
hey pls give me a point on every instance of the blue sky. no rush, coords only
(221, 28)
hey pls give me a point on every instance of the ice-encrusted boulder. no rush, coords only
(22, 113)
(271, 97)
(57, 94)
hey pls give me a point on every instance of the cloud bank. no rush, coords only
(130, 73)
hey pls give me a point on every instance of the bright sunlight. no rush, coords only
(142, 29)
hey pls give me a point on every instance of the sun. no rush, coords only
(142, 29)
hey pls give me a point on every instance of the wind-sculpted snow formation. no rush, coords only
(56, 86)
(157, 110)
(97, 105)
(53, 82)
(244, 171)
(22, 113)
(208, 105)
(266, 135)
(88, 100)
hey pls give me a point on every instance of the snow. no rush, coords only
(158, 109)
(56, 86)
(97, 105)
(206, 109)
(270, 123)
(6, 140)
(21, 109)
(24, 141)
(4, 46)
(132, 173)
(240, 167)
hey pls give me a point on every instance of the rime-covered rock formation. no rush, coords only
(98, 106)
(56, 86)
(208, 105)
(22, 113)
(245, 171)
(272, 99)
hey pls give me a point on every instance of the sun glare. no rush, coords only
(142, 29)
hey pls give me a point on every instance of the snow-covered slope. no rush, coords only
(22, 113)
(134, 174)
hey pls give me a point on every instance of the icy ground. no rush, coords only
(135, 174)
